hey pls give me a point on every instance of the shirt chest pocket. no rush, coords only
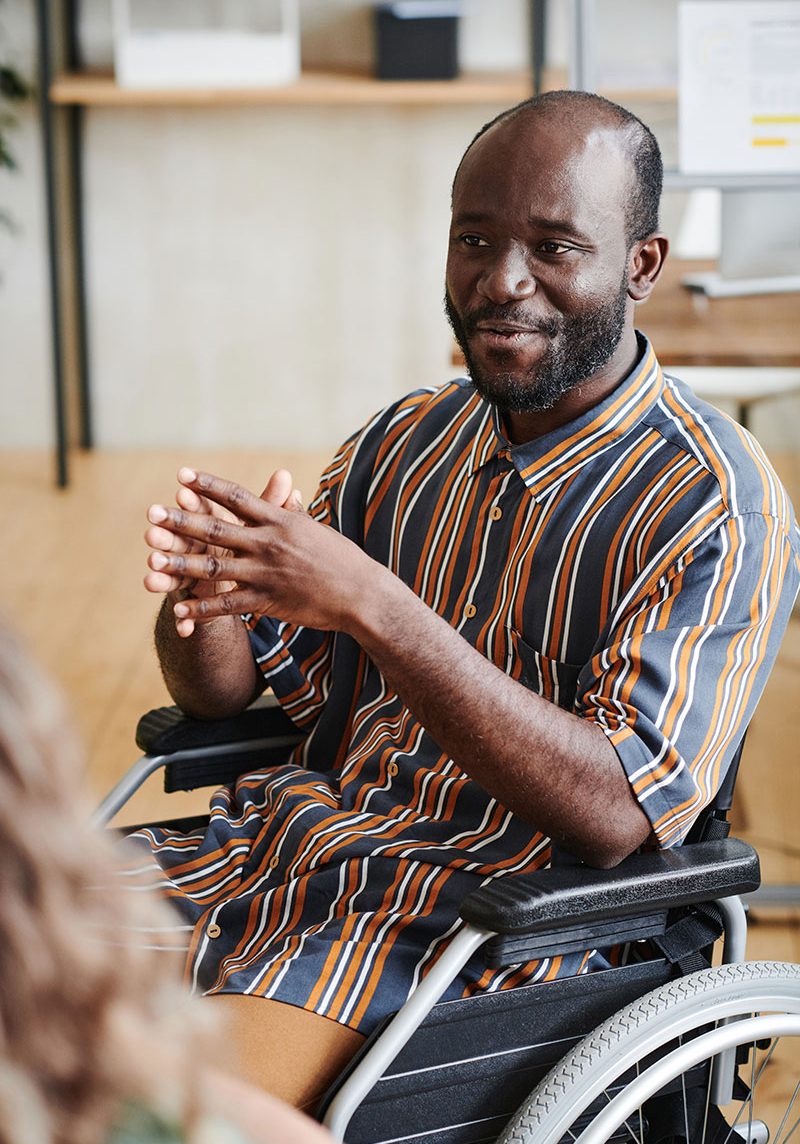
(550, 678)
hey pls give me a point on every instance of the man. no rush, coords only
(539, 605)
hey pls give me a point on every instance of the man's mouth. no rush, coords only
(505, 327)
(506, 335)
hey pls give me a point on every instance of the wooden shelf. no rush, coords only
(99, 89)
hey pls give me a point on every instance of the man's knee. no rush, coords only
(290, 1052)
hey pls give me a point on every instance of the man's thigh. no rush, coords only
(288, 1051)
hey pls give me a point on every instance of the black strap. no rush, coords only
(689, 936)
(715, 828)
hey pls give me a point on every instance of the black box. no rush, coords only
(417, 39)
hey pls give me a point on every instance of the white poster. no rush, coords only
(739, 86)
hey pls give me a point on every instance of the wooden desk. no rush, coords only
(739, 351)
(689, 329)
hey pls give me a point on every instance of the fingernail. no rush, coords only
(158, 561)
(186, 476)
(157, 514)
(181, 611)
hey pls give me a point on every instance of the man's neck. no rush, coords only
(523, 427)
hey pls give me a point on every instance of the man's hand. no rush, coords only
(279, 491)
(245, 553)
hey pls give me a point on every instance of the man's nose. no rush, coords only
(508, 278)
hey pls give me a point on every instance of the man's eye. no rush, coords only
(473, 240)
(554, 247)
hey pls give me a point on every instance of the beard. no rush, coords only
(580, 345)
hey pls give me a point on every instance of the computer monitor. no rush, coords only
(759, 250)
(739, 129)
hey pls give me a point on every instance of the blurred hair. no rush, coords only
(638, 141)
(88, 1022)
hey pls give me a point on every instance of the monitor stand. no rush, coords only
(759, 247)
(714, 285)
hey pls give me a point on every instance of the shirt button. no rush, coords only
(392, 770)
(213, 930)
(496, 512)
(274, 862)
(470, 610)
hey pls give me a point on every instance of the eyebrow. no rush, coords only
(562, 226)
(559, 224)
(471, 216)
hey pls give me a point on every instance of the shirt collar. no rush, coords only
(547, 461)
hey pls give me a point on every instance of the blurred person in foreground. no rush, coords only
(529, 611)
(98, 1042)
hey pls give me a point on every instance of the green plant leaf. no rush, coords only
(12, 85)
(7, 160)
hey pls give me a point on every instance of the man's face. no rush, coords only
(537, 262)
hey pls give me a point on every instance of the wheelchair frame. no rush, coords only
(558, 910)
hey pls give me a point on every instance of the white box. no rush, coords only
(153, 54)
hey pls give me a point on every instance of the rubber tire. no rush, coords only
(636, 1031)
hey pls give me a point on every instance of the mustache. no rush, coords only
(514, 315)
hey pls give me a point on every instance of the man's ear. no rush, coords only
(645, 263)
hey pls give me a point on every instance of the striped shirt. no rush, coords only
(636, 566)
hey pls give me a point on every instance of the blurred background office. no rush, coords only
(260, 267)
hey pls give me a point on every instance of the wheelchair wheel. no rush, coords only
(654, 1063)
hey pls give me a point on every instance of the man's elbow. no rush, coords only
(605, 853)
(209, 711)
(619, 837)
(211, 704)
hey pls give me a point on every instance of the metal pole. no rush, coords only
(48, 142)
(581, 72)
(75, 125)
(538, 16)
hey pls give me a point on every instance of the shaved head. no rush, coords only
(588, 112)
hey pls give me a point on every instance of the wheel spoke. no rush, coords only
(794, 1129)
(749, 1102)
(626, 1124)
(641, 1115)
(751, 1095)
(685, 1103)
(708, 1105)
(708, 1099)
(786, 1115)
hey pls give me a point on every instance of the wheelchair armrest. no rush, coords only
(198, 753)
(165, 730)
(201, 752)
(569, 908)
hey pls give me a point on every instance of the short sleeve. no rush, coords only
(685, 661)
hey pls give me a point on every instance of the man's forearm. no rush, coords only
(555, 770)
(210, 674)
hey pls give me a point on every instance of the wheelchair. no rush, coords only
(663, 1047)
